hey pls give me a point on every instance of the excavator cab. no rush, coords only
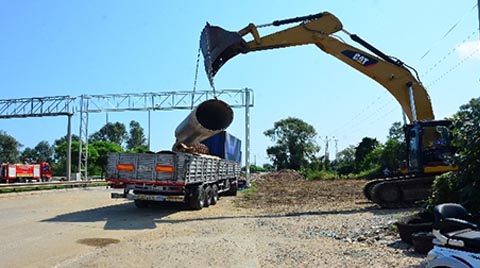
(429, 147)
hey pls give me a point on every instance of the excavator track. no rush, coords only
(399, 192)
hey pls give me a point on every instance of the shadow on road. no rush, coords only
(127, 216)
(123, 216)
(283, 215)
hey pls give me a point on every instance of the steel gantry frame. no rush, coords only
(37, 107)
(158, 101)
(40, 107)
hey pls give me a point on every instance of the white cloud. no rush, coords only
(469, 48)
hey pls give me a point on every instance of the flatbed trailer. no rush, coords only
(197, 179)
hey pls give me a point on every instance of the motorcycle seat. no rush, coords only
(470, 238)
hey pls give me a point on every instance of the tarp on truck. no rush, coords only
(225, 145)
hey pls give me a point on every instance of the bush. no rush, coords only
(444, 190)
(372, 173)
(464, 185)
(319, 174)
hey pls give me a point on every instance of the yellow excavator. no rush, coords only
(427, 140)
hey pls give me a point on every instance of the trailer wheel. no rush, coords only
(141, 203)
(233, 189)
(208, 196)
(196, 198)
(214, 198)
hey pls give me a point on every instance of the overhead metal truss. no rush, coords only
(175, 100)
(157, 101)
(37, 107)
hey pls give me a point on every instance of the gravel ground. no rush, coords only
(285, 222)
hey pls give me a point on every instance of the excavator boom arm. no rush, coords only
(218, 46)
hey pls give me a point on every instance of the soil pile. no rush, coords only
(279, 190)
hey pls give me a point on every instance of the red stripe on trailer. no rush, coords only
(161, 183)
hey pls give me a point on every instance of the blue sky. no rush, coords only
(51, 48)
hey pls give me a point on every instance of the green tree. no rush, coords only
(64, 139)
(371, 161)
(394, 150)
(103, 148)
(111, 132)
(268, 167)
(346, 161)
(41, 152)
(396, 132)
(28, 153)
(136, 137)
(9, 148)
(59, 165)
(466, 138)
(362, 150)
(294, 145)
(60, 156)
(44, 152)
(463, 185)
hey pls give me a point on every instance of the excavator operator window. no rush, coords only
(435, 137)
(413, 149)
(435, 145)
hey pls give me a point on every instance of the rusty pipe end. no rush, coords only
(207, 119)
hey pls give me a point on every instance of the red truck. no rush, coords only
(25, 172)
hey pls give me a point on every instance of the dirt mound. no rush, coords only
(284, 174)
(287, 189)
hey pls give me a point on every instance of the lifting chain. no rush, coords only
(195, 78)
(210, 67)
(209, 71)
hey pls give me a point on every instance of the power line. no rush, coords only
(348, 125)
(449, 31)
(359, 114)
(449, 71)
(442, 59)
(359, 124)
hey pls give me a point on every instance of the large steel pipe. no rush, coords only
(207, 119)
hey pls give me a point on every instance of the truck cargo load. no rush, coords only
(225, 145)
(207, 119)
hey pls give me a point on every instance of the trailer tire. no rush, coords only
(232, 191)
(196, 198)
(214, 198)
(141, 203)
(208, 196)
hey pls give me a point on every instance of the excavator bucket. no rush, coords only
(218, 46)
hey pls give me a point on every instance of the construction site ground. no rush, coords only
(282, 221)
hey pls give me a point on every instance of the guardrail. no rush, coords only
(60, 184)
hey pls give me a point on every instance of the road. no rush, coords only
(43, 229)
(62, 227)
(85, 228)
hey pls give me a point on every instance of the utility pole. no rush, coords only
(336, 147)
(149, 129)
(326, 153)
